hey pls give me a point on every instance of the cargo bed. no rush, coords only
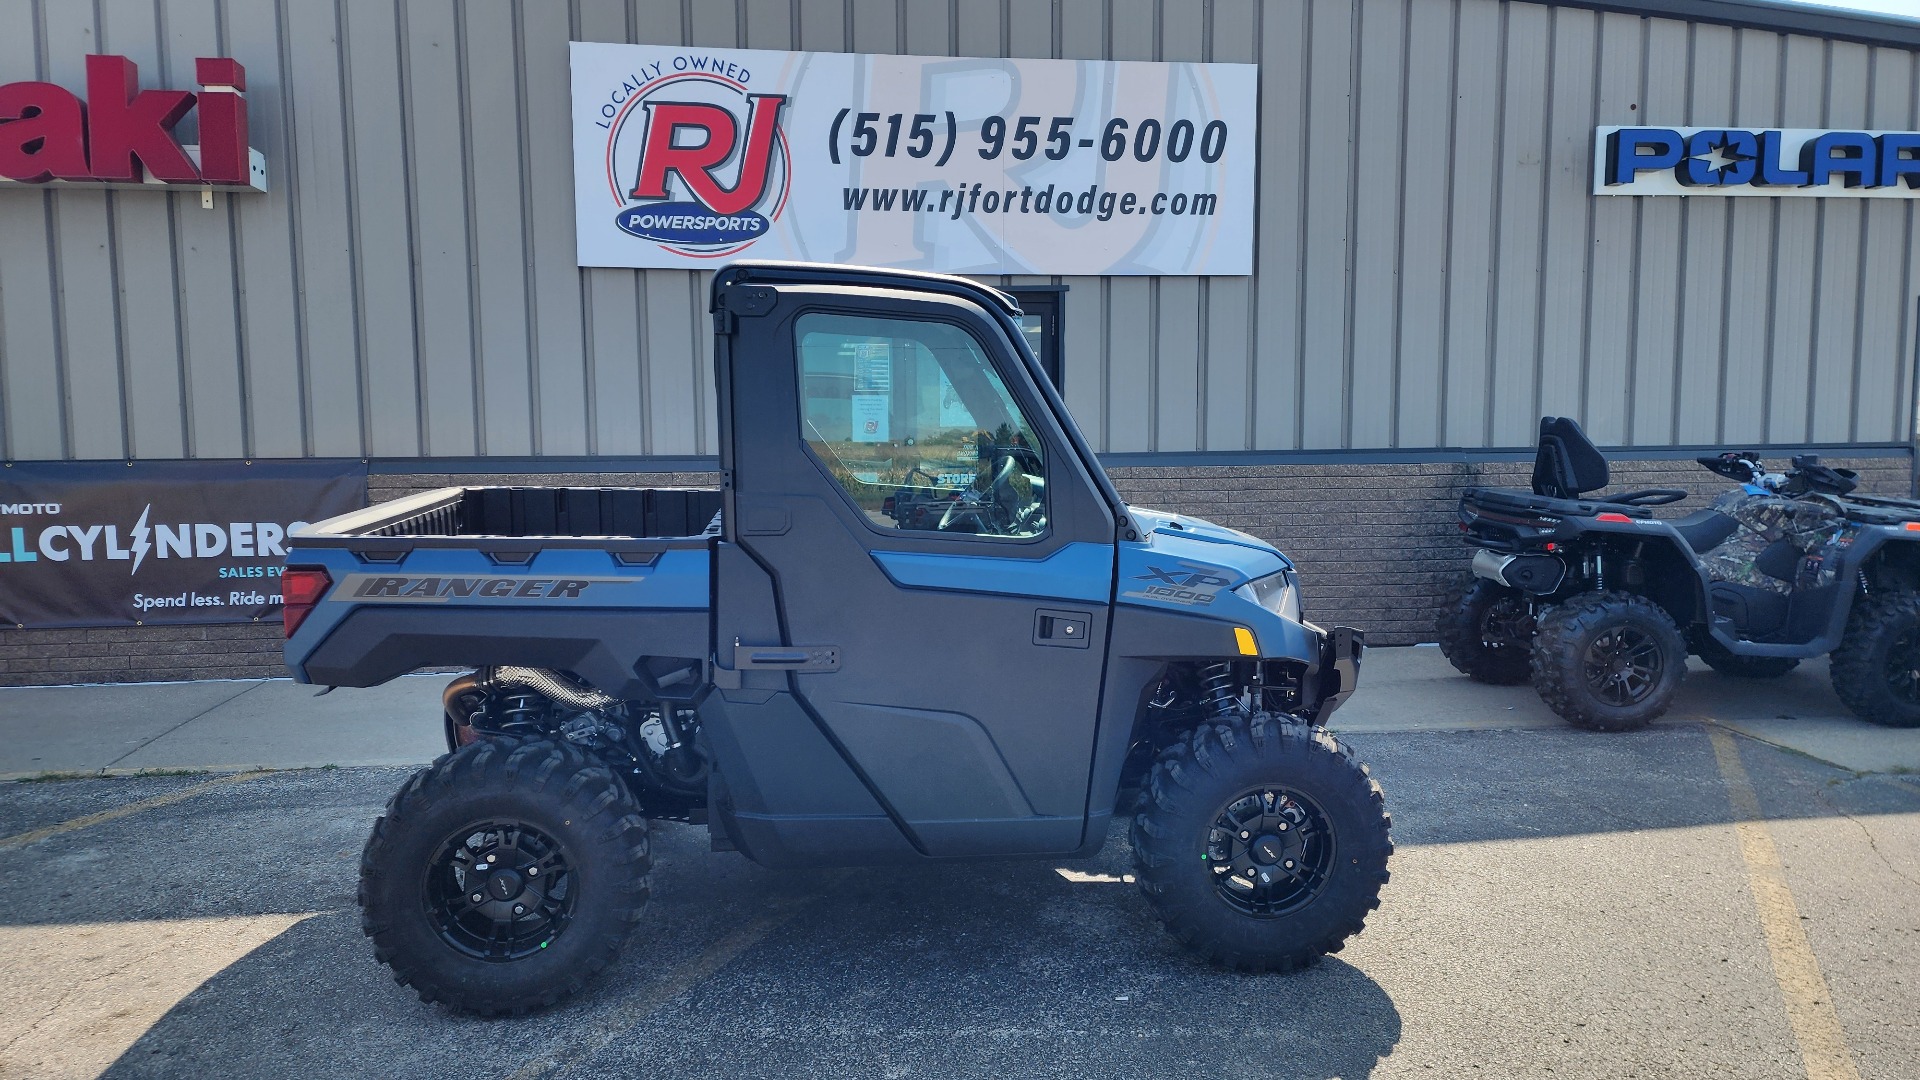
(590, 580)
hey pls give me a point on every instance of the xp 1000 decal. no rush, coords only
(685, 156)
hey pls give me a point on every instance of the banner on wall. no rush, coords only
(108, 544)
(687, 157)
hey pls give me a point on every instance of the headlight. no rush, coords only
(1276, 593)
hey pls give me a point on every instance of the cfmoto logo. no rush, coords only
(698, 163)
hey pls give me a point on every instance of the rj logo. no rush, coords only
(670, 123)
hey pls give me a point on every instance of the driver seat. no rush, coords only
(1704, 530)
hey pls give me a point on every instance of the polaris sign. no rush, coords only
(1774, 161)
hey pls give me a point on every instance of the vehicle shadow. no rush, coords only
(983, 970)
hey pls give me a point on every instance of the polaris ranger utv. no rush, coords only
(915, 623)
(1597, 602)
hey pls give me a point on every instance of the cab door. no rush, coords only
(941, 563)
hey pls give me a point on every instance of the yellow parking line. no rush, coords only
(1810, 1012)
(34, 836)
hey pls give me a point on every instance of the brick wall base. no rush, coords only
(1376, 544)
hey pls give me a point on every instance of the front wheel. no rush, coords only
(1485, 632)
(1876, 669)
(504, 876)
(1261, 844)
(1608, 661)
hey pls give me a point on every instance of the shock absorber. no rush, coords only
(1217, 690)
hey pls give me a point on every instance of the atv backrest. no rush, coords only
(1567, 465)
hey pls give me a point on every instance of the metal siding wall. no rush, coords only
(1431, 269)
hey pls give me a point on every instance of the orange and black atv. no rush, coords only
(1597, 602)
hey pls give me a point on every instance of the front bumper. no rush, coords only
(1337, 673)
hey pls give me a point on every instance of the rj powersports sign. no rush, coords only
(122, 136)
(1778, 161)
(683, 157)
(105, 544)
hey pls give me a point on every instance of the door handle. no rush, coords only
(803, 658)
(1062, 629)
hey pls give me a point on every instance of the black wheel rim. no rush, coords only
(500, 890)
(1270, 852)
(1623, 665)
(1903, 666)
(1506, 625)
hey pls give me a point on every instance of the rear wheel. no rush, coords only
(1261, 844)
(1608, 661)
(1486, 632)
(1876, 669)
(1716, 656)
(504, 876)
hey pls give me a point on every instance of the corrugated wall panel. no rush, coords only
(1833, 337)
(271, 364)
(1419, 373)
(1607, 374)
(30, 350)
(1373, 320)
(1226, 355)
(1884, 232)
(1659, 239)
(1752, 232)
(1473, 166)
(94, 405)
(142, 247)
(381, 241)
(318, 176)
(1519, 223)
(1325, 358)
(554, 283)
(1704, 274)
(204, 262)
(1796, 250)
(1431, 268)
(1561, 356)
(1280, 225)
(442, 249)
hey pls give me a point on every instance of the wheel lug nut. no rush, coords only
(519, 909)
(477, 897)
(493, 858)
(1283, 826)
(533, 871)
(1288, 864)
(1245, 835)
(1249, 871)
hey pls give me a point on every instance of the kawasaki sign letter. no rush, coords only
(684, 157)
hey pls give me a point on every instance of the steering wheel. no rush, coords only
(994, 503)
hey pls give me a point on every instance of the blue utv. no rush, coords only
(915, 623)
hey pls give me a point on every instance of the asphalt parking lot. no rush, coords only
(1680, 901)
